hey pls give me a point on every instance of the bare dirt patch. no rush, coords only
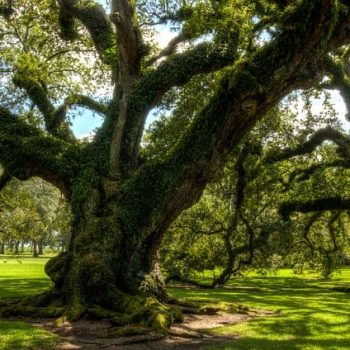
(189, 335)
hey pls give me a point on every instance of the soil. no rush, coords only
(188, 335)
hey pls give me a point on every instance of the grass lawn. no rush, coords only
(312, 316)
(19, 277)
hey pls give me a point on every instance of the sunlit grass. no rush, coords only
(311, 316)
(20, 277)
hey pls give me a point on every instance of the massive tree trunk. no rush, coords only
(105, 266)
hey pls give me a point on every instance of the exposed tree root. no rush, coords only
(141, 316)
(143, 310)
(134, 340)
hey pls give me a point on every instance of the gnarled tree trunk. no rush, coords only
(107, 267)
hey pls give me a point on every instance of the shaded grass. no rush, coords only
(311, 315)
(20, 277)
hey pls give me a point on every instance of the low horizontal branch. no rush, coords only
(320, 136)
(329, 203)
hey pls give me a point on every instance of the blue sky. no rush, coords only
(84, 124)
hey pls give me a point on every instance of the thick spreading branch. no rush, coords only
(177, 70)
(25, 151)
(245, 94)
(55, 123)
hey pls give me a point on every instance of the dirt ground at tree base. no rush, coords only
(189, 335)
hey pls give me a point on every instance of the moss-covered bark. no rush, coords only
(106, 270)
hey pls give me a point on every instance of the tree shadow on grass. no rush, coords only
(312, 316)
(25, 287)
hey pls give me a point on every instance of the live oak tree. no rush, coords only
(55, 57)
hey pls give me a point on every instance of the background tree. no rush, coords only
(33, 212)
(123, 204)
(236, 224)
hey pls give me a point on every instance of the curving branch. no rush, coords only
(94, 18)
(320, 136)
(304, 174)
(169, 50)
(331, 229)
(26, 151)
(37, 93)
(82, 101)
(307, 229)
(175, 71)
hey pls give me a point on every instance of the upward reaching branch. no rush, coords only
(130, 43)
(177, 70)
